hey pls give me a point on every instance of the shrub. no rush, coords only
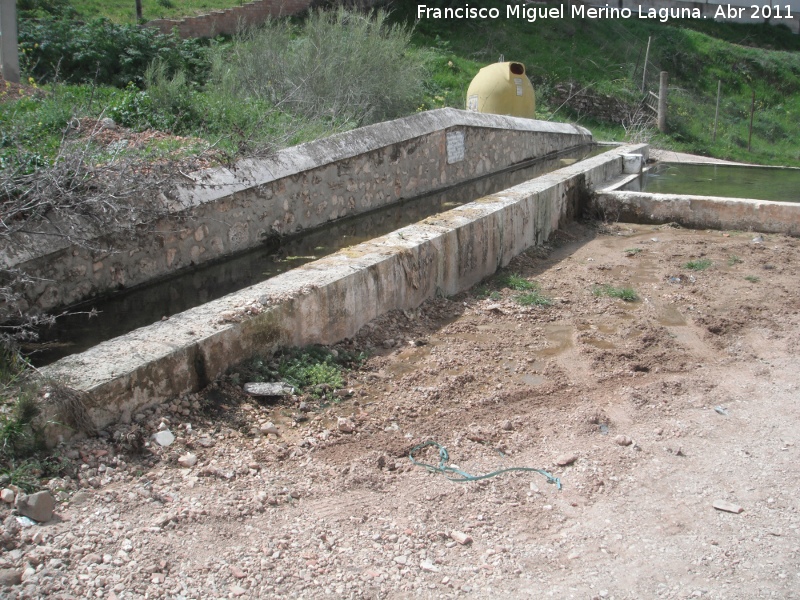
(343, 67)
(104, 52)
(19, 437)
(34, 9)
(534, 298)
(168, 103)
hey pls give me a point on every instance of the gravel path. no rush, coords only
(649, 412)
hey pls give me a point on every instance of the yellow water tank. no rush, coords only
(502, 89)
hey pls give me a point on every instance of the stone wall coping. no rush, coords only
(217, 182)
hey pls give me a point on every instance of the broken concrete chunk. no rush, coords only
(427, 565)
(346, 425)
(726, 506)
(267, 390)
(9, 577)
(566, 459)
(164, 438)
(38, 506)
(269, 427)
(188, 460)
(460, 537)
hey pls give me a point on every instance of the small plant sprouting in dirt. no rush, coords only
(19, 438)
(313, 369)
(752, 278)
(515, 282)
(632, 251)
(701, 264)
(24, 458)
(627, 294)
(734, 260)
(484, 292)
(533, 298)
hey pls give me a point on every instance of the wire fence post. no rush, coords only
(716, 112)
(752, 112)
(662, 101)
(644, 69)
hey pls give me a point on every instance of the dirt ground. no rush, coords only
(660, 407)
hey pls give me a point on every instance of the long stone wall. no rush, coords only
(228, 211)
(231, 20)
(332, 298)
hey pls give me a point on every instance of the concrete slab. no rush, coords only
(701, 212)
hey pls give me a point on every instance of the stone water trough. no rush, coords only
(227, 211)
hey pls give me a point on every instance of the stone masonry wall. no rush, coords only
(232, 20)
(231, 211)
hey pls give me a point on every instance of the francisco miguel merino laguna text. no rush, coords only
(534, 13)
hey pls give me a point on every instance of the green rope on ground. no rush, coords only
(443, 467)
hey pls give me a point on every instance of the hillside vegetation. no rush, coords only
(606, 57)
(601, 59)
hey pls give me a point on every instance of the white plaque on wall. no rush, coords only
(455, 147)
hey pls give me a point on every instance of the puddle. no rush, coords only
(531, 380)
(407, 360)
(498, 327)
(670, 316)
(598, 343)
(641, 272)
(560, 339)
(602, 328)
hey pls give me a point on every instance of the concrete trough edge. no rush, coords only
(700, 212)
(330, 299)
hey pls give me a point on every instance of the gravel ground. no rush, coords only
(648, 412)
